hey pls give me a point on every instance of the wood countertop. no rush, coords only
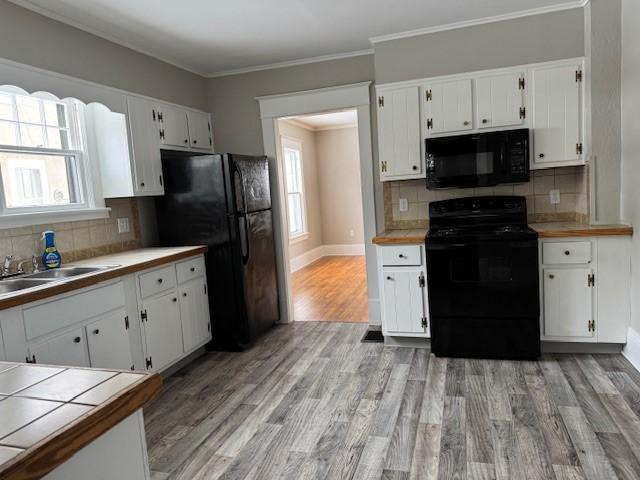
(47, 413)
(124, 263)
(545, 230)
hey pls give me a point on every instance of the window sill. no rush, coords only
(298, 238)
(17, 220)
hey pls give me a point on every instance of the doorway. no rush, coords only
(320, 160)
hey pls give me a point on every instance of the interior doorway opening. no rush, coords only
(320, 160)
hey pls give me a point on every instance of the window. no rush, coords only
(41, 154)
(292, 157)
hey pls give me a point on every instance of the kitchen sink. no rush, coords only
(66, 272)
(8, 286)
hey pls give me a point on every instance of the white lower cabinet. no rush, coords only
(108, 341)
(162, 330)
(69, 349)
(403, 293)
(194, 310)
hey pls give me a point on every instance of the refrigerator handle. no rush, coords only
(242, 213)
(243, 193)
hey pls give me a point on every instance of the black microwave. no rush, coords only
(478, 160)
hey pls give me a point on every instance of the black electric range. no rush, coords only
(483, 284)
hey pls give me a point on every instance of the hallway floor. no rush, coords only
(331, 289)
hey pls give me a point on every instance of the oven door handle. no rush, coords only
(448, 246)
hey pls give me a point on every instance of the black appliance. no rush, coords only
(224, 202)
(483, 284)
(477, 160)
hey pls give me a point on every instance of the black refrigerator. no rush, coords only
(224, 201)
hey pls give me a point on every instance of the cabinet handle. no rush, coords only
(96, 331)
(184, 294)
(415, 167)
(402, 256)
(193, 269)
(174, 299)
(186, 140)
(389, 278)
(76, 340)
(466, 123)
(195, 141)
(485, 121)
(142, 184)
(159, 280)
(567, 252)
(552, 276)
(541, 155)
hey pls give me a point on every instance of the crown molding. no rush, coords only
(98, 33)
(291, 63)
(479, 21)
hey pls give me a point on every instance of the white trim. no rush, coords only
(299, 238)
(631, 350)
(38, 218)
(298, 123)
(290, 63)
(479, 21)
(93, 31)
(307, 258)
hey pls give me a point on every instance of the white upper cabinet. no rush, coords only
(174, 127)
(557, 115)
(399, 137)
(448, 106)
(500, 100)
(199, 130)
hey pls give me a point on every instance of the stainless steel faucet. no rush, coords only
(6, 265)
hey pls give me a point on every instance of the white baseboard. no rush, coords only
(631, 350)
(312, 255)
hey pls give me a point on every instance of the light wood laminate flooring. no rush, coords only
(309, 401)
(331, 289)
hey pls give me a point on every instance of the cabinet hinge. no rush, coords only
(133, 367)
(523, 112)
(160, 117)
(126, 322)
(578, 149)
(143, 315)
(421, 281)
(162, 134)
(205, 288)
(591, 325)
(428, 95)
(578, 76)
(209, 126)
(383, 166)
(424, 322)
(210, 142)
(32, 359)
(381, 101)
(429, 123)
(160, 177)
(521, 83)
(153, 113)
(148, 362)
(591, 280)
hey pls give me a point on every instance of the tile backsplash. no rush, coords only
(77, 240)
(571, 181)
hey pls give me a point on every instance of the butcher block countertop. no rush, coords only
(545, 230)
(47, 413)
(123, 263)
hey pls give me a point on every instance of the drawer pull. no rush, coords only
(193, 269)
(76, 340)
(159, 280)
(402, 255)
(96, 331)
(174, 299)
(184, 294)
(567, 252)
(389, 278)
(552, 276)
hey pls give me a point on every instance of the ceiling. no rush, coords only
(327, 121)
(215, 36)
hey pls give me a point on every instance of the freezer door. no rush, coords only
(251, 183)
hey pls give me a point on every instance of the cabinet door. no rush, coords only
(200, 130)
(67, 349)
(194, 312)
(499, 100)
(145, 140)
(448, 107)
(174, 128)
(404, 301)
(399, 134)
(162, 330)
(568, 302)
(108, 340)
(557, 115)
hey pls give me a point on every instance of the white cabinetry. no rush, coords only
(448, 106)
(69, 349)
(194, 311)
(399, 133)
(585, 289)
(174, 128)
(557, 115)
(500, 100)
(403, 293)
(108, 341)
(162, 330)
(199, 130)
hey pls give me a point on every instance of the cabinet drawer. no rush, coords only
(190, 269)
(555, 253)
(157, 281)
(402, 255)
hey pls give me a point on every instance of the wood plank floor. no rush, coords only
(310, 401)
(332, 289)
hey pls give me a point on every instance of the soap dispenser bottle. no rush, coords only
(51, 258)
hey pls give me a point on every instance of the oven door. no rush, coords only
(465, 160)
(483, 279)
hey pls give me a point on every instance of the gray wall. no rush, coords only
(532, 39)
(29, 38)
(631, 142)
(236, 116)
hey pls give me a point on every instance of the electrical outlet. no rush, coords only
(404, 205)
(554, 197)
(352, 233)
(123, 225)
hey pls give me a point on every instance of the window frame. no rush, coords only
(87, 207)
(291, 143)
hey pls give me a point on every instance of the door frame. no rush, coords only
(272, 108)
